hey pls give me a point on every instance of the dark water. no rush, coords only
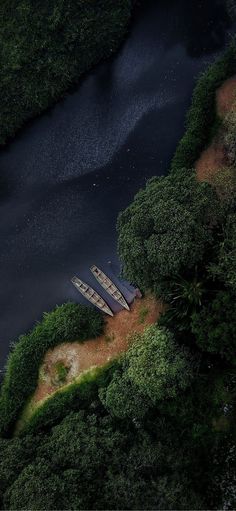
(71, 171)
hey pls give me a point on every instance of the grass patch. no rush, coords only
(143, 314)
(110, 337)
(60, 372)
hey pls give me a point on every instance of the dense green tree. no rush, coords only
(214, 326)
(37, 487)
(158, 366)
(124, 399)
(167, 229)
(153, 369)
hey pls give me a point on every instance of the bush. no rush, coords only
(230, 135)
(46, 46)
(224, 182)
(66, 323)
(214, 326)
(123, 399)
(224, 269)
(202, 115)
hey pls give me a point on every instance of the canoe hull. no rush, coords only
(91, 295)
(109, 286)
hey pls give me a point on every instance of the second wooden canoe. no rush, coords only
(91, 295)
(109, 286)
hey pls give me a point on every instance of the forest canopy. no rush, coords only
(45, 48)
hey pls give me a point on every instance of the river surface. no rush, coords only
(70, 172)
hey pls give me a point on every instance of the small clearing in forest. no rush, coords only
(65, 363)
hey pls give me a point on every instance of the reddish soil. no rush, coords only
(226, 96)
(214, 158)
(97, 352)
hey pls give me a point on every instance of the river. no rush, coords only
(69, 172)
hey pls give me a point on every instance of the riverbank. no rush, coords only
(214, 158)
(78, 359)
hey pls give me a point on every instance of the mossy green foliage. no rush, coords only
(66, 323)
(46, 46)
(143, 314)
(88, 461)
(214, 326)
(224, 266)
(167, 229)
(61, 371)
(202, 117)
(155, 368)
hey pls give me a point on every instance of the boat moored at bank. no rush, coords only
(90, 294)
(109, 286)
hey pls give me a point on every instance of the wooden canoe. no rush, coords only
(91, 295)
(109, 286)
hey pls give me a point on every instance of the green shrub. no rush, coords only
(229, 138)
(46, 46)
(224, 267)
(202, 115)
(69, 322)
(214, 326)
(60, 372)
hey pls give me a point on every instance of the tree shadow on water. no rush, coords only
(201, 26)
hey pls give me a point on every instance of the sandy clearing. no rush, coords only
(96, 352)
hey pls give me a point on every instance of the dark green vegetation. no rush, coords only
(90, 462)
(67, 323)
(167, 230)
(46, 47)
(154, 369)
(202, 118)
(83, 452)
(155, 429)
(178, 238)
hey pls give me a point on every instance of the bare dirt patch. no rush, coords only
(211, 161)
(214, 157)
(79, 358)
(225, 96)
